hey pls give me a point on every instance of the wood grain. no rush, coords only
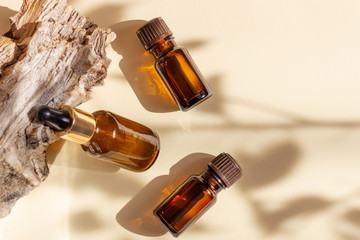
(51, 56)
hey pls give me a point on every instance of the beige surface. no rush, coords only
(285, 76)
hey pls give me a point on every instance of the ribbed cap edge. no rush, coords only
(152, 32)
(227, 168)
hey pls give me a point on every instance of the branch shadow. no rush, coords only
(137, 215)
(215, 106)
(193, 44)
(272, 166)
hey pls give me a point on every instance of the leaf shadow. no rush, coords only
(272, 165)
(349, 228)
(302, 207)
(352, 216)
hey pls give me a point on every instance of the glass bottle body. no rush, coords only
(188, 202)
(180, 74)
(125, 142)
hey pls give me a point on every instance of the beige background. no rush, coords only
(285, 76)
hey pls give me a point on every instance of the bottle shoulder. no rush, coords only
(100, 112)
(197, 181)
(176, 56)
(176, 52)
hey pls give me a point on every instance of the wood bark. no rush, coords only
(51, 56)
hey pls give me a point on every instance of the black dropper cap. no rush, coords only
(56, 119)
(70, 123)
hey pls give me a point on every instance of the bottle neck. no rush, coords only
(82, 126)
(213, 180)
(163, 46)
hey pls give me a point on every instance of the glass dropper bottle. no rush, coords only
(105, 135)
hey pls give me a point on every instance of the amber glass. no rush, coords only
(188, 202)
(180, 74)
(120, 140)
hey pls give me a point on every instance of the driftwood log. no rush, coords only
(51, 56)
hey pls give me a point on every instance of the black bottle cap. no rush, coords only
(226, 168)
(153, 31)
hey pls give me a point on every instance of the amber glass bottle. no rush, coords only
(197, 194)
(174, 65)
(105, 135)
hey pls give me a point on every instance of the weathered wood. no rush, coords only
(51, 56)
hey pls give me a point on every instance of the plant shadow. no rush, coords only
(275, 163)
(349, 229)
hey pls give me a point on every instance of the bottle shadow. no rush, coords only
(107, 14)
(53, 150)
(75, 157)
(5, 14)
(138, 68)
(137, 215)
